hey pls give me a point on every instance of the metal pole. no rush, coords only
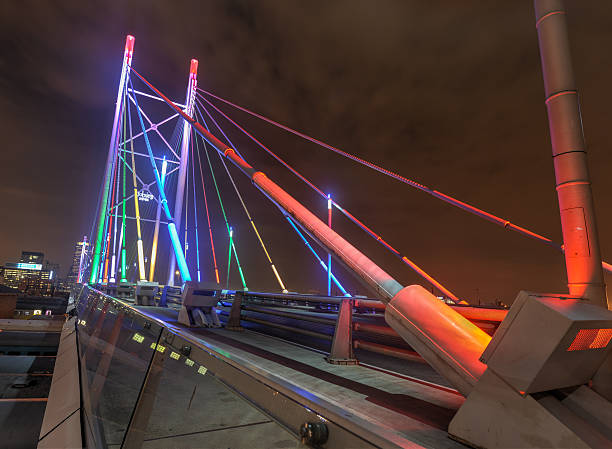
(112, 154)
(182, 174)
(580, 237)
(329, 223)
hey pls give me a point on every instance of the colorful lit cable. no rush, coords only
(176, 244)
(371, 233)
(244, 207)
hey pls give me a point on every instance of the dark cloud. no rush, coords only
(448, 95)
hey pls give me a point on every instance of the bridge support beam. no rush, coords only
(573, 184)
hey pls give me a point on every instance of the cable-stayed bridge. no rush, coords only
(165, 300)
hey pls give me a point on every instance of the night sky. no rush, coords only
(450, 96)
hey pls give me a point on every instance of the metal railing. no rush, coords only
(297, 314)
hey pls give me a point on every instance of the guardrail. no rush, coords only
(374, 337)
(378, 337)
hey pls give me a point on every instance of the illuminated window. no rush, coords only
(591, 339)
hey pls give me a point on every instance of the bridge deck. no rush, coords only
(404, 410)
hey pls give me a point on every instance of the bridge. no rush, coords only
(178, 345)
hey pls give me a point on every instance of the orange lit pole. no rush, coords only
(580, 236)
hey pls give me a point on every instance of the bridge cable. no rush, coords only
(232, 245)
(441, 196)
(176, 244)
(244, 207)
(123, 218)
(116, 207)
(109, 223)
(404, 259)
(195, 206)
(139, 246)
(212, 244)
(351, 217)
(344, 292)
(309, 246)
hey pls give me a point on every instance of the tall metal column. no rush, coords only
(112, 155)
(329, 257)
(580, 237)
(182, 174)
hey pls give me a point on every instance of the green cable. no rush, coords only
(232, 246)
(229, 262)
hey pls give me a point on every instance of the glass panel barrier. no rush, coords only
(115, 348)
(191, 408)
(140, 388)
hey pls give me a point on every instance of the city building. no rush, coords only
(28, 275)
(28, 278)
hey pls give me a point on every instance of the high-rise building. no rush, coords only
(80, 260)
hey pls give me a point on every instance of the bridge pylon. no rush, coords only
(110, 161)
(182, 174)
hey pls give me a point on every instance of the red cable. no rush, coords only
(270, 152)
(212, 244)
(110, 223)
(378, 238)
(446, 198)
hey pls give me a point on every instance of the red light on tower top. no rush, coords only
(194, 67)
(129, 43)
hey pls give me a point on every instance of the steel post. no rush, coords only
(233, 322)
(182, 174)
(580, 237)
